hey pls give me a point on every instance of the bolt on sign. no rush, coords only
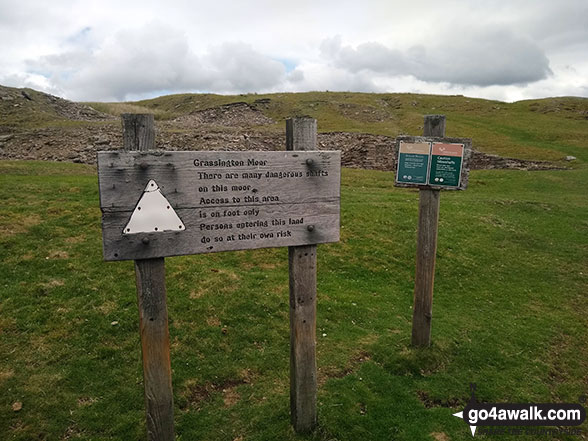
(428, 162)
(159, 204)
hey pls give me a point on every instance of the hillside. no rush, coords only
(34, 125)
(24, 108)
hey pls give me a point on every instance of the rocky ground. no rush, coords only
(236, 126)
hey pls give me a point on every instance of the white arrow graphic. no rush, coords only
(460, 415)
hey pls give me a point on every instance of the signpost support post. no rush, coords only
(429, 200)
(139, 134)
(301, 134)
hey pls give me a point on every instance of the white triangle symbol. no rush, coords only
(153, 213)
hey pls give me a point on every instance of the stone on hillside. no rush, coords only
(101, 139)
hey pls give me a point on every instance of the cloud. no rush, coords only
(153, 58)
(468, 57)
(557, 26)
(237, 67)
(486, 57)
(370, 56)
(112, 50)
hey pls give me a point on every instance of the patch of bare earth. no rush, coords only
(198, 394)
(5, 375)
(53, 283)
(72, 432)
(58, 254)
(213, 321)
(327, 372)
(86, 401)
(9, 227)
(430, 402)
(440, 436)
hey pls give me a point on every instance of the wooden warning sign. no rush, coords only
(158, 204)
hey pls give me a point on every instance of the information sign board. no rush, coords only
(432, 162)
(160, 204)
(413, 162)
(446, 160)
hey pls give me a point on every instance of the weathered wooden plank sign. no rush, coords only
(432, 162)
(159, 204)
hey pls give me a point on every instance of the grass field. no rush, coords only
(510, 314)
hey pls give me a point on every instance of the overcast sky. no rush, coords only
(126, 50)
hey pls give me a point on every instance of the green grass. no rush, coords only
(510, 314)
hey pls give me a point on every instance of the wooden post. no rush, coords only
(301, 134)
(429, 200)
(139, 134)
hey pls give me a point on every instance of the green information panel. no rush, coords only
(446, 162)
(413, 162)
(432, 162)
